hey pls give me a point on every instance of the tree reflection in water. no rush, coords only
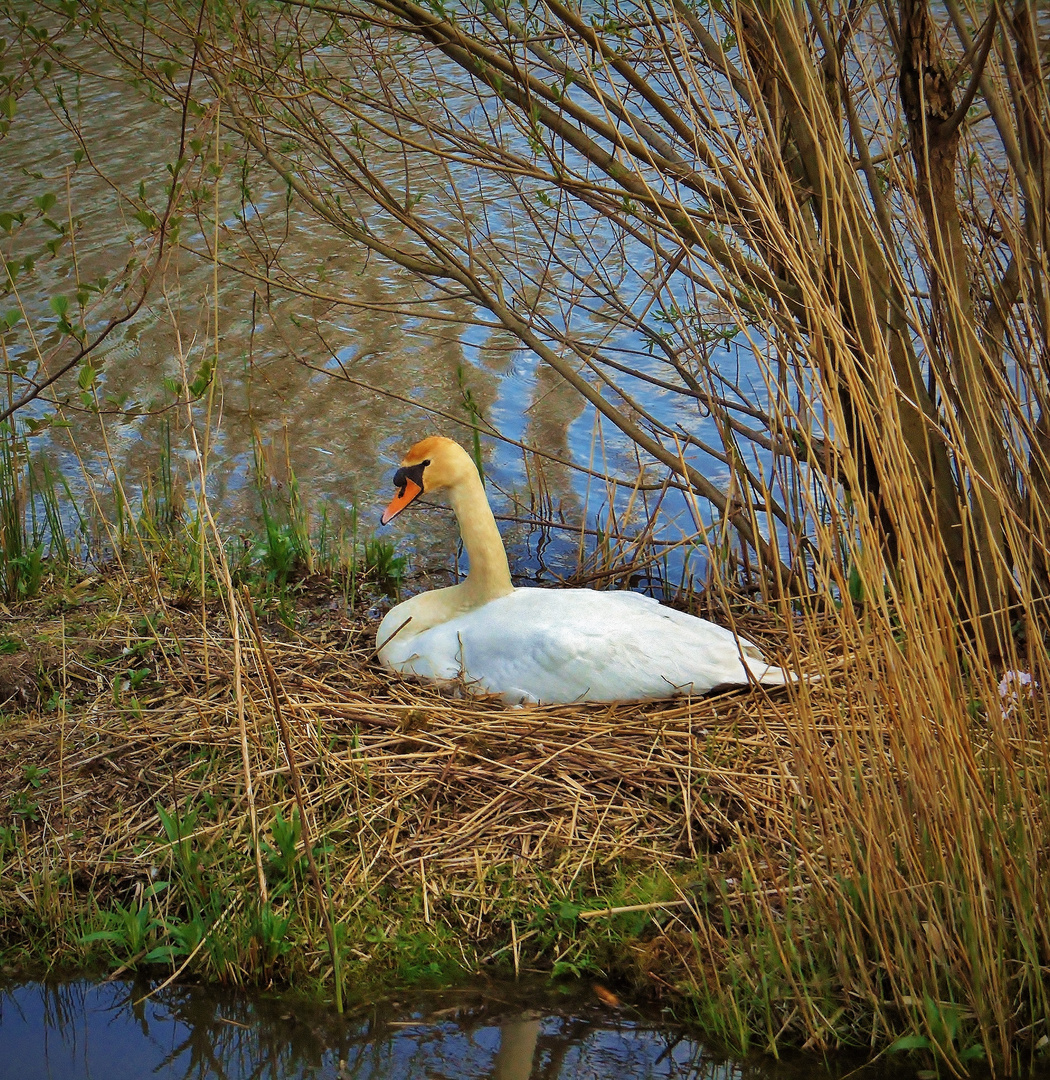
(112, 1031)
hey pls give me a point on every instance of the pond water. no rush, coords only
(121, 1030)
(332, 386)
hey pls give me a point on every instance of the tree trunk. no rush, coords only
(928, 101)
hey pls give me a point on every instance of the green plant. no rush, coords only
(949, 1038)
(134, 932)
(270, 930)
(285, 548)
(60, 550)
(32, 531)
(34, 774)
(163, 503)
(21, 552)
(186, 935)
(286, 861)
(22, 806)
(337, 554)
(279, 550)
(137, 676)
(383, 567)
(186, 866)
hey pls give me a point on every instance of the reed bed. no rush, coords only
(203, 772)
(817, 865)
(417, 776)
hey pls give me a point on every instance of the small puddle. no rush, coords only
(113, 1031)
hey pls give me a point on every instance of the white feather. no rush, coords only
(564, 645)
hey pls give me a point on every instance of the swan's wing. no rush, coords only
(580, 645)
(564, 645)
(712, 640)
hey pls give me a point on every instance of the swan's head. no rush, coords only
(430, 465)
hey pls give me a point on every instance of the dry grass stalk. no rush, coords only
(485, 778)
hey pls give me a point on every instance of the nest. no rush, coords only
(468, 799)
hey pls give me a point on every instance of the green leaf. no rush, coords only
(60, 305)
(8, 105)
(161, 954)
(12, 317)
(168, 822)
(146, 218)
(909, 1042)
(86, 377)
(201, 379)
(101, 935)
(45, 202)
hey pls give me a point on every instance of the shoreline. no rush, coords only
(452, 834)
(671, 849)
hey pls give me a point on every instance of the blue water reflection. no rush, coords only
(115, 1031)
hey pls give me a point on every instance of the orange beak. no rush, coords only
(409, 492)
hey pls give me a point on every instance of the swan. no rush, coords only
(545, 646)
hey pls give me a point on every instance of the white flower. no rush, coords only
(1016, 685)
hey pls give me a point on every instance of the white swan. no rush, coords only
(545, 645)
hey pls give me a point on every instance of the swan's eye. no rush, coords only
(426, 463)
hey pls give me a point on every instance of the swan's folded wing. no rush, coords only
(565, 645)
(579, 645)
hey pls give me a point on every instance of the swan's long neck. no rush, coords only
(489, 575)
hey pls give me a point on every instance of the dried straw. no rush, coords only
(409, 780)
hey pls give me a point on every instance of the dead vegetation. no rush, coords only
(805, 855)
(407, 784)
(420, 782)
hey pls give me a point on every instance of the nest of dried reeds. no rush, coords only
(774, 853)
(405, 783)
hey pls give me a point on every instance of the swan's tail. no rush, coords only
(771, 675)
